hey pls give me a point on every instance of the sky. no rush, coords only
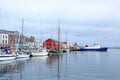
(84, 21)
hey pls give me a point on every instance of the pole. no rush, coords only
(22, 29)
(59, 35)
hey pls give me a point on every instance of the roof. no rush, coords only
(51, 39)
(8, 32)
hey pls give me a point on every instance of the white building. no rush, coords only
(4, 38)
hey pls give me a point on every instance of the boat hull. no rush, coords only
(38, 54)
(55, 53)
(42, 52)
(94, 49)
(5, 58)
(34, 54)
(23, 56)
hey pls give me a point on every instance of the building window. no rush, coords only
(3, 36)
(3, 41)
(6, 41)
(6, 37)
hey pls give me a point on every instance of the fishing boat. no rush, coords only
(57, 51)
(96, 47)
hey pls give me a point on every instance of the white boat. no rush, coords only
(42, 52)
(4, 56)
(7, 57)
(22, 55)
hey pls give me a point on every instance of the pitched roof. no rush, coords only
(52, 40)
(9, 32)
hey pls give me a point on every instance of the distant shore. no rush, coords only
(114, 47)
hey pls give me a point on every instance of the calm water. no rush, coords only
(69, 66)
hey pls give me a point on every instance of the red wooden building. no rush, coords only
(50, 43)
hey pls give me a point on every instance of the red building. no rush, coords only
(50, 43)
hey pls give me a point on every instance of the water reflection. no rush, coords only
(69, 66)
(91, 57)
(11, 70)
(56, 63)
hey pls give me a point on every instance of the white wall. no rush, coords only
(0, 38)
(4, 37)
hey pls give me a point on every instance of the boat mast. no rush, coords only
(58, 49)
(59, 35)
(22, 29)
(0, 12)
(66, 39)
(21, 38)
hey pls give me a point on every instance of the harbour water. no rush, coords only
(69, 66)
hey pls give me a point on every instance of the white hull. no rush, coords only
(92, 47)
(4, 58)
(42, 53)
(23, 56)
(39, 54)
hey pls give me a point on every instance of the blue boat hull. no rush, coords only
(95, 49)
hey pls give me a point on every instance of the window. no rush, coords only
(6, 41)
(3, 41)
(3, 36)
(6, 37)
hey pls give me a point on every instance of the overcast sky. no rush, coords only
(85, 21)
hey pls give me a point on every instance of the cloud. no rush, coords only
(82, 19)
(58, 8)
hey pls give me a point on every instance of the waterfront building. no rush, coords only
(51, 43)
(10, 38)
